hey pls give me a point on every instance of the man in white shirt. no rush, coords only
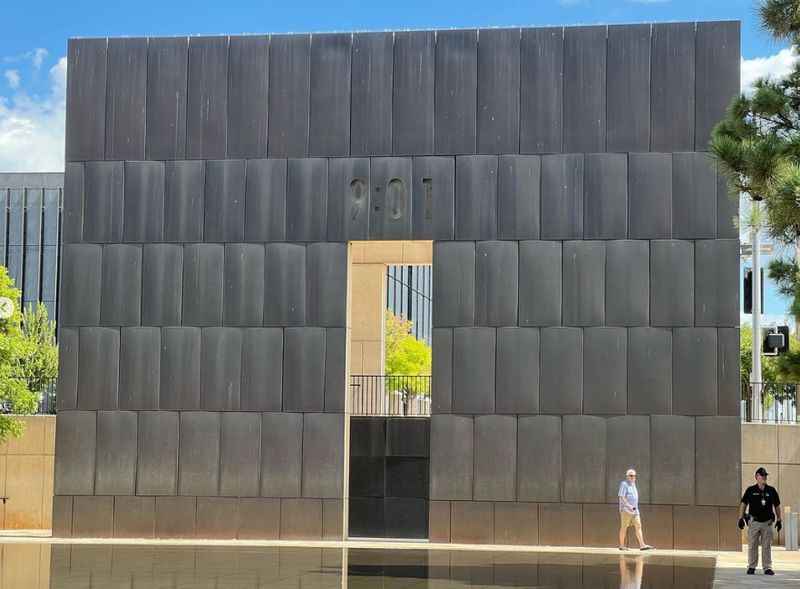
(629, 510)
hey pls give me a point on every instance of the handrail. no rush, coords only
(778, 402)
(390, 395)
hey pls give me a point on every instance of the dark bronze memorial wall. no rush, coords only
(585, 278)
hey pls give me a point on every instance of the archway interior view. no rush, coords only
(389, 378)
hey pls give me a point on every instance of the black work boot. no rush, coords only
(751, 571)
(769, 572)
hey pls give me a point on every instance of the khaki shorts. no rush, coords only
(630, 519)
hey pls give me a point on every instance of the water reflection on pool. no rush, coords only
(151, 567)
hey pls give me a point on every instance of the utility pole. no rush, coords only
(797, 261)
(755, 374)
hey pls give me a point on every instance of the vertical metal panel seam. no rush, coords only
(350, 104)
(650, 98)
(114, 510)
(717, 350)
(260, 473)
(694, 281)
(136, 462)
(562, 477)
(307, 149)
(694, 130)
(219, 445)
(225, 122)
(283, 360)
(477, 82)
(141, 309)
(519, 107)
(265, 154)
(178, 445)
(581, 351)
(627, 369)
(516, 456)
(94, 465)
(561, 84)
(650, 102)
(433, 122)
(694, 455)
(472, 486)
(494, 396)
(122, 203)
(195, 502)
(186, 137)
(627, 192)
(105, 105)
(302, 449)
(144, 135)
(605, 96)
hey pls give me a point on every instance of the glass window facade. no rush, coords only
(30, 218)
(408, 295)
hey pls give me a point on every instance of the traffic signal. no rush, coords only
(775, 340)
(748, 290)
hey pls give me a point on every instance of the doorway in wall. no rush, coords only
(388, 397)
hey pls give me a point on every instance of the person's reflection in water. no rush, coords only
(630, 572)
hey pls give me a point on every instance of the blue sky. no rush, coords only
(33, 44)
(49, 25)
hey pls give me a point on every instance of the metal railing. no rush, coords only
(47, 403)
(381, 394)
(778, 402)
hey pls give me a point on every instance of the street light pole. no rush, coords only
(755, 374)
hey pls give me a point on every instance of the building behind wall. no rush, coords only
(585, 267)
(30, 216)
(409, 295)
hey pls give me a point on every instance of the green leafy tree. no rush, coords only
(15, 347)
(405, 356)
(40, 365)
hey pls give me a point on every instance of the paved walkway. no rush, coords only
(731, 567)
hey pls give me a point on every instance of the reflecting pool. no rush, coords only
(183, 567)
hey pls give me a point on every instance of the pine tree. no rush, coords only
(758, 147)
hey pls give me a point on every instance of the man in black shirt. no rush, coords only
(763, 506)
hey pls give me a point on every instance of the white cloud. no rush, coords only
(32, 127)
(38, 57)
(13, 78)
(35, 56)
(775, 67)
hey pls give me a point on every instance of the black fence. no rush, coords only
(381, 394)
(778, 402)
(47, 403)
